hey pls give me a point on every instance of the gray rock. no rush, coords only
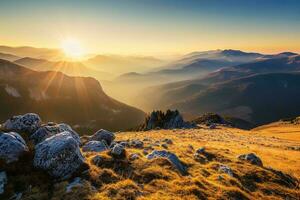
(225, 169)
(3, 181)
(29, 123)
(12, 145)
(136, 144)
(59, 155)
(97, 160)
(103, 135)
(124, 144)
(133, 156)
(165, 146)
(47, 131)
(171, 157)
(118, 151)
(77, 182)
(95, 146)
(252, 158)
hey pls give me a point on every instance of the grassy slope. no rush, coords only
(225, 144)
(157, 179)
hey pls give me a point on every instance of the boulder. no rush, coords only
(251, 158)
(3, 181)
(171, 157)
(59, 155)
(28, 123)
(12, 146)
(118, 151)
(95, 146)
(103, 135)
(49, 130)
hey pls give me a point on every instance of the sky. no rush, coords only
(153, 27)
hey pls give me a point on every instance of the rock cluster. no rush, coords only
(56, 150)
(168, 120)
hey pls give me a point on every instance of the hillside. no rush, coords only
(57, 97)
(175, 164)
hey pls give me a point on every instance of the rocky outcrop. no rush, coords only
(51, 129)
(105, 135)
(95, 146)
(59, 155)
(29, 123)
(171, 157)
(251, 158)
(168, 120)
(12, 146)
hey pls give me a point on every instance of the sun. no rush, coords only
(72, 48)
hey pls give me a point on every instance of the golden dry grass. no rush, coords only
(158, 179)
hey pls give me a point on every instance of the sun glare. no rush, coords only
(72, 48)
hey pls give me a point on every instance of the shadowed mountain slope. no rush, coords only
(58, 97)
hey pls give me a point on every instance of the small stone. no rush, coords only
(94, 146)
(252, 158)
(165, 146)
(225, 169)
(118, 151)
(97, 160)
(201, 150)
(136, 144)
(133, 156)
(168, 141)
(103, 135)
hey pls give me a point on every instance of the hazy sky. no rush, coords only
(146, 27)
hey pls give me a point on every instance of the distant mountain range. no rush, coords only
(247, 86)
(109, 65)
(57, 97)
(261, 91)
